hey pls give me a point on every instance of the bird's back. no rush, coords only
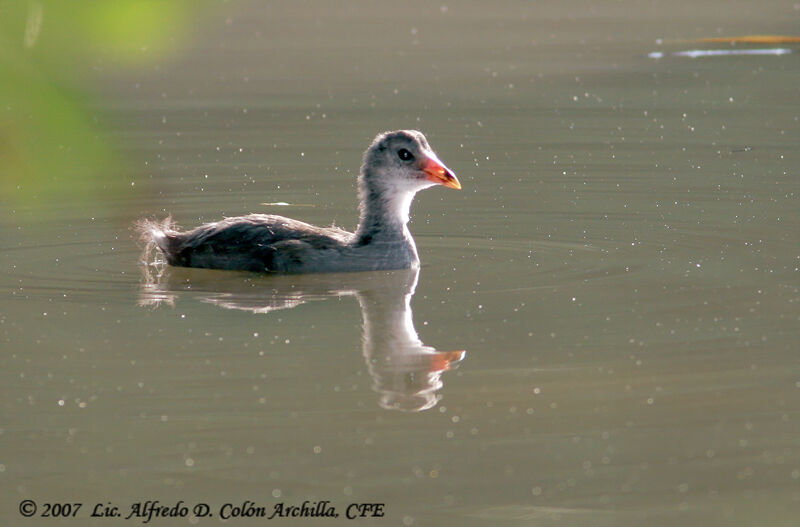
(257, 242)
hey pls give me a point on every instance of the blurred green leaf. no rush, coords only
(50, 144)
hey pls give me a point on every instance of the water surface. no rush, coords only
(603, 332)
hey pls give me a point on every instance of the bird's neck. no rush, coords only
(384, 213)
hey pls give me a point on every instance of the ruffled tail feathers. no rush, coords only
(152, 236)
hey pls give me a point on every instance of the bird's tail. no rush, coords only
(153, 234)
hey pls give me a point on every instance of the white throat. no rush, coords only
(398, 206)
(386, 206)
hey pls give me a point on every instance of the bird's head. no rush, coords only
(403, 161)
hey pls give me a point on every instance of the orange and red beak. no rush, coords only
(438, 173)
(444, 360)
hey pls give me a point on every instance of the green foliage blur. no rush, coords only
(50, 144)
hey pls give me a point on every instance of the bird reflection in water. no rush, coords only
(405, 372)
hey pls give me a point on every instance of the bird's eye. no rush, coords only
(405, 155)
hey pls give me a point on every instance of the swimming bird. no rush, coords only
(395, 167)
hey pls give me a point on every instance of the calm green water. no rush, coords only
(603, 332)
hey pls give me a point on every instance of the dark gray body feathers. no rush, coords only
(257, 242)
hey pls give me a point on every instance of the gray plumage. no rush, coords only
(395, 167)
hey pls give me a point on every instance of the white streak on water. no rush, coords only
(694, 53)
